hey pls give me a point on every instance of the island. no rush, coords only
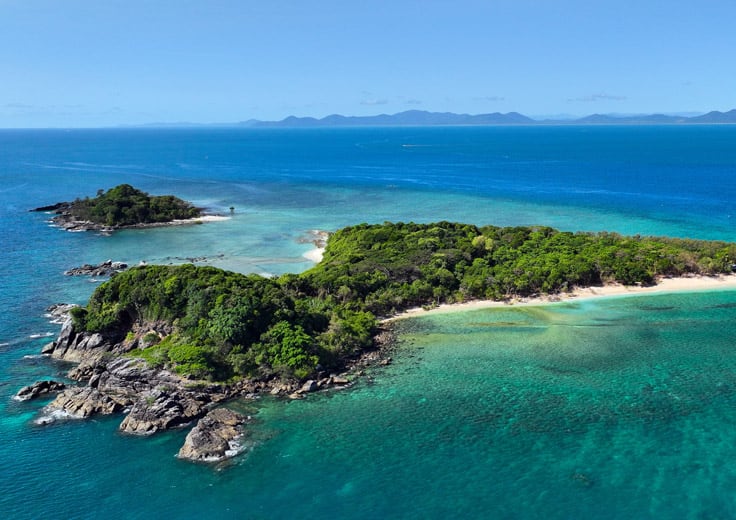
(167, 344)
(120, 207)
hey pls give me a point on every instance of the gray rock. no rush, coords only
(160, 410)
(85, 371)
(309, 386)
(60, 312)
(83, 402)
(39, 388)
(156, 399)
(215, 437)
(81, 346)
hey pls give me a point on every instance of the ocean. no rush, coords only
(621, 407)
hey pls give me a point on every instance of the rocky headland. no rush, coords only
(111, 381)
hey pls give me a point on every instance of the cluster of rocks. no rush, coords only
(38, 389)
(59, 312)
(312, 385)
(64, 219)
(106, 268)
(217, 436)
(316, 237)
(77, 347)
(154, 399)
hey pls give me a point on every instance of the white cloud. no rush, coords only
(19, 106)
(374, 101)
(598, 97)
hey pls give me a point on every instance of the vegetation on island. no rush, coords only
(220, 325)
(125, 205)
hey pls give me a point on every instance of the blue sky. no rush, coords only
(83, 63)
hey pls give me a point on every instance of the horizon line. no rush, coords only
(322, 122)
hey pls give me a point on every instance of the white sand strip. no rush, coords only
(664, 285)
(203, 218)
(315, 255)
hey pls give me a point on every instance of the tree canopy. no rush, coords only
(125, 205)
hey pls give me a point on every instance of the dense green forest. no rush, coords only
(210, 323)
(125, 205)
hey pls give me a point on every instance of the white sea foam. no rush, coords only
(204, 218)
(54, 415)
(56, 320)
(41, 335)
(235, 447)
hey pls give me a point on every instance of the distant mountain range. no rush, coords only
(710, 118)
(408, 118)
(424, 118)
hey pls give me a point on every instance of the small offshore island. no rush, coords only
(120, 207)
(166, 344)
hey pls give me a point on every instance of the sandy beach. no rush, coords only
(203, 218)
(315, 255)
(664, 285)
(319, 238)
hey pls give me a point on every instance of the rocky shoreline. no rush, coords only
(153, 399)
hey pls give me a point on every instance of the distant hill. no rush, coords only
(424, 118)
(408, 118)
(651, 119)
(715, 117)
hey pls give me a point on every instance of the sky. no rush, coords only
(90, 63)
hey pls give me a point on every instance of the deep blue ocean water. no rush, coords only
(613, 408)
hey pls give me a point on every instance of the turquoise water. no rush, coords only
(615, 408)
